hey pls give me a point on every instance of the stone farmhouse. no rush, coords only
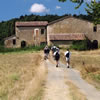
(28, 33)
(60, 32)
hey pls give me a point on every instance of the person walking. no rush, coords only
(53, 48)
(46, 52)
(57, 57)
(67, 56)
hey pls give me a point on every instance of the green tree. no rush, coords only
(93, 9)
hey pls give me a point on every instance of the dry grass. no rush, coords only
(17, 72)
(88, 62)
(39, 94)
(75, 92)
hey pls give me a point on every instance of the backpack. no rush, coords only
(67, 55)
(48, 50)
(57, 54)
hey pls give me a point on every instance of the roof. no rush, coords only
(66, 17)
(10, 37)
(67, 36)
(31, 23)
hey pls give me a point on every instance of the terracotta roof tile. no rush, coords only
(32, 23)
(67, 36)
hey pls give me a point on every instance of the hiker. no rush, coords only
(67, 56)
(53, 48)
(57, 49)
(46, 52)
(57, 57)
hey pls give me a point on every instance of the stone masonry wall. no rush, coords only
(27, 34)
(74, 25)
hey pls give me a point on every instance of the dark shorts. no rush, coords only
(57, 58)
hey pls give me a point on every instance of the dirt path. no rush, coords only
(87, 89)
(55, 89)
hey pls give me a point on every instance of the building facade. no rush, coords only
(29, 33)
(70, 28)
(60, 32)
(10, 42)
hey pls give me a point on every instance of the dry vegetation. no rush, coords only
(88, 62)
(20, 76)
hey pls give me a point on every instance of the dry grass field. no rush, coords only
(88, 63)
(20, 75)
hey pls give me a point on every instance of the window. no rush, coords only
(36, 32)
(14, 42)
(42, 31)
(95, 29)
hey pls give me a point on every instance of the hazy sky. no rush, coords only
(15, 8)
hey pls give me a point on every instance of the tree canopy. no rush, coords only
(93, 9)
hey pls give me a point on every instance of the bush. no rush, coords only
(81, 45)
(30, 48)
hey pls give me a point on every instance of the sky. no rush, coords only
(15, 8)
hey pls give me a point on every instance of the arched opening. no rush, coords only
(23, 44)
(95, 44)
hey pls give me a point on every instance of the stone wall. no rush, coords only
(27, 34)
(10, 42)
(73, 25)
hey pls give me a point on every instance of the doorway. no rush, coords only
(95, 44)
(23, 44)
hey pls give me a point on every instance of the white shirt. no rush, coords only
(67, 53)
